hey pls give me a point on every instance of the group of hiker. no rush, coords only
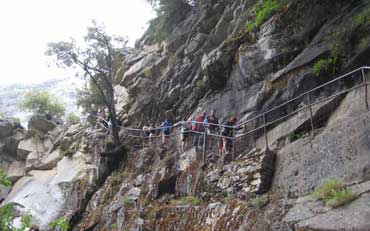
(196, 131)
(200, 131)
(152, 132)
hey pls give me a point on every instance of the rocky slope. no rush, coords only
(210, 61)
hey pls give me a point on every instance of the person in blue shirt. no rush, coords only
(166, 127)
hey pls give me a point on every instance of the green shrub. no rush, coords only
(295, 136)
(59, 224)
(4, 180)
(200, 85)
(324, 191)
(263, 12)
(260, 201)
(324, 65)
(25, 222)
(72, 118)
(250, 26)
(188, 200)
(41, 102)
(333, 193)
(7, 217)
(127, 202)
(339, 198)
(362, 19)
(2, 115)
(364, 43)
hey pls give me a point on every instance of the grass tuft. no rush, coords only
(188, 200)
(260, 201)
(263, 12)
(340, 198)
(324, 191)
(333, 193)
(324, 65)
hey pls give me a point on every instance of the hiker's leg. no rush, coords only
(224, 143)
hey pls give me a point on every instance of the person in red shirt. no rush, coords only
(200, 127)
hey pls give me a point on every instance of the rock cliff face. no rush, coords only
(210, 61)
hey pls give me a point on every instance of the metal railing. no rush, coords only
(258, 127)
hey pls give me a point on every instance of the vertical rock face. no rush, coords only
(215, 64)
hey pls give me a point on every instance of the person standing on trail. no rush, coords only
(212, 126)
(200, 128)
(166, 127)
(146, 134)
(146, 131)
(185, 133)
(102, 118)
(151, 133)
(227, 133)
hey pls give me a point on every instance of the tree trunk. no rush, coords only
(115, 128)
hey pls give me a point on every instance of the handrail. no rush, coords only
(303, 94)
(259, 115)
(263, 114)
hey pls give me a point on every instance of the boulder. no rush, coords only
(186, 159)
(16, 170)
(40, 123)
(65, 143)
(12, 142)
(32, 160)
(44, 194)
(133, 194)
(4, 191)
(49, 161)
(6, 128)
(27, 146)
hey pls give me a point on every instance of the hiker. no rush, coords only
(227, 132)
(165, 131)
(185, 133)
(200, 128)
(151, 133)
(146, 131)
(212, 126)
(146, 134)
(101, 118)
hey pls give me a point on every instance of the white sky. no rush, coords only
(28, 25)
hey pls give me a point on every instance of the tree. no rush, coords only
(89, 98)
(72, 119)
(96, 59)
(43, 103)
(4, 180)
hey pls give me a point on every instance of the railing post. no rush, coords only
(265, 131)
(234, 143)
(169, 139)
(310, 107)
(204, 146)
(364, 80)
